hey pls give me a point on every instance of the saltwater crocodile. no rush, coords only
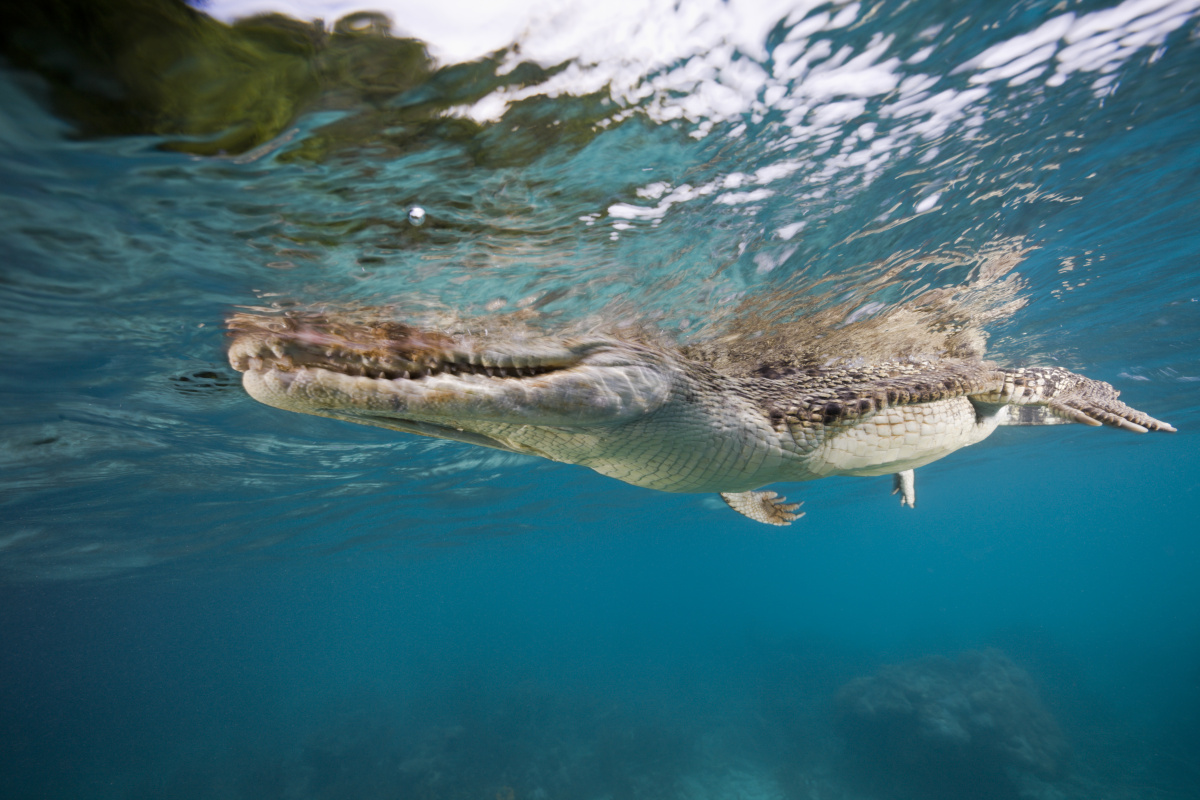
(650, 415)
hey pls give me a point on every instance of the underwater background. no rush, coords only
(203, 597)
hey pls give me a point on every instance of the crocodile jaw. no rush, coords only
(451, 387)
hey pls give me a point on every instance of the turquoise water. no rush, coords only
(201, 596)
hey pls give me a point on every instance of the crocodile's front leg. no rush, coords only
(903, 484)
(765, 507)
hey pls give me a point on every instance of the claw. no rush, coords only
(1074, 414)
(1117, 415)
(1159, 425)
(1129, 426)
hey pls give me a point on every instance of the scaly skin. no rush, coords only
(652, 417)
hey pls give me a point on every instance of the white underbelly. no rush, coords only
(900, 438)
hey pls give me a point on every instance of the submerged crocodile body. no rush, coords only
(649, 415)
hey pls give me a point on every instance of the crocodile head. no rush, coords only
(519, 394)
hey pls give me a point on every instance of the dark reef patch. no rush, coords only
(937, 728)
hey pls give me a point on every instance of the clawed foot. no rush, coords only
(1073, 397)
(765, 507)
